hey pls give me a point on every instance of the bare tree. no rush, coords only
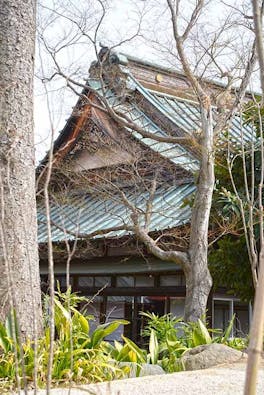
(198, 284)
(257, 326)
(194, 260)
(19, 266)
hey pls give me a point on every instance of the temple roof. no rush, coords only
(158, 101)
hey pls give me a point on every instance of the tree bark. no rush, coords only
(198, 279)
(19, 266)
(198, 286)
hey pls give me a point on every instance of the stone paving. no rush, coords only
(221, 380)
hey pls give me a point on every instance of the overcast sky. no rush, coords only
(120, 23)
(59, 23)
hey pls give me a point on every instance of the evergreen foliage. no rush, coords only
(228, 259)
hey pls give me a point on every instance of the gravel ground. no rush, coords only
(223, 380)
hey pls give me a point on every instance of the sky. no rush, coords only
(120, 23)
(65, 27)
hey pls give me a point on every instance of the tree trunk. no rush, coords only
(198, 278)
(198, 286)
(19, 266)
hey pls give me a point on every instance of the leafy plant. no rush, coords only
(229, 264)
(170, 337)
(239, 343)
(127, 352)
(78, 357)
(153, 347)
(162, 325)
(83, 358)
(6, 335)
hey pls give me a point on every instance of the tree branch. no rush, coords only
(179, 44)
(179, 257)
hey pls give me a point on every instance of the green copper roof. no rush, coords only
(86, 214)
(89, 213)
(174, 152)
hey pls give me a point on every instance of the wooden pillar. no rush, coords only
(209, 313)
(135, 320)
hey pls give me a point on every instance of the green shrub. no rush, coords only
(78, 357)
(83, 358)
(161, 325)
(170, 337)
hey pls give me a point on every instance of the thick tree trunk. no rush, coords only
(198, 286)
(19, 267)
(198, 278)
